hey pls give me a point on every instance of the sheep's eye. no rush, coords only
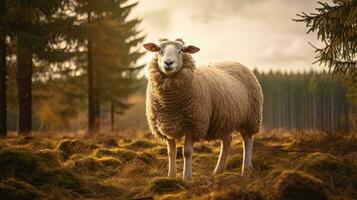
(161, 52)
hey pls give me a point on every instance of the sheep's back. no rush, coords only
(232, 87)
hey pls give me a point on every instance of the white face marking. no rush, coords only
(170, 57)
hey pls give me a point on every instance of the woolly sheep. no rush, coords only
(205, 103)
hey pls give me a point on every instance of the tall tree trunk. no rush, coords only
(96, 110)
(24, 75)
(2, 74)
(91, 116)
(112, 116)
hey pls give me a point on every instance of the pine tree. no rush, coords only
(3, 70)
(35, 26)
(110, 59)
(336, 27)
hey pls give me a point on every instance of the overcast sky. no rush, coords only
(257, 33)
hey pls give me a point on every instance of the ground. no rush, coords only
(134, 166)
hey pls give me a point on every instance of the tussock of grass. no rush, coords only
(293, 185)
(205, 161)
(147, 157)
(234, 162)
(12, 189)
(138, 168)
(68, 147)
(160, 150)
(329, 168)
(164, 185)
(34, 142)
(99, 169)
(120, 154)
(108, 142)
(60, 177)
(141, 144)
(102, 167)
(23, 163)
(175, 196)
(202, 148)
(233, 194)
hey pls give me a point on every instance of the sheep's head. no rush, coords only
(170, 54)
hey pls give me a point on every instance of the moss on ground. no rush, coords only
(123, 155)
(234, 162)
(22, 163)
(132, 168)
(147, 157)
(68, 147)
(109, 142)
(59, 177)
(164, 185)
(202, 148)
(12, 189)
(141, 144)
(293, 185)
(331, 169)
(159, 150)
(174, 196)
(101, 167)
(233, 194)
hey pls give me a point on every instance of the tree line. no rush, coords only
(306, 101)
(76, 53)
(335, 24)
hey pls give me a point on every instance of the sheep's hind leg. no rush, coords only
(223, 155)
(247, 155)
(171, 151)
(187, 154)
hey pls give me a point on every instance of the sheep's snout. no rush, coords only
(169, 67)
(168, 62)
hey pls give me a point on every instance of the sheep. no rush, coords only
(204, 103)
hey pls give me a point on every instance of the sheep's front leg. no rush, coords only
(247, 155)
(171, 151)
(187, 154)
(223, 155)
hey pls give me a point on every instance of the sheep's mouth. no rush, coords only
(171, 73)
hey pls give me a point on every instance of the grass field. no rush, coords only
(286, 166)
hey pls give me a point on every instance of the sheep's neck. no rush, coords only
(174, 90)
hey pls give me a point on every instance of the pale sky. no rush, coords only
(257, 33)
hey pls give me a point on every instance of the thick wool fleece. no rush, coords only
(209, 102)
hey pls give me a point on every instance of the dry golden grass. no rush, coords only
(134, 166)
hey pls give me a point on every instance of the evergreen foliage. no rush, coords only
(336, 26)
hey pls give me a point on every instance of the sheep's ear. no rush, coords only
(191, 49)
(151, 47)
